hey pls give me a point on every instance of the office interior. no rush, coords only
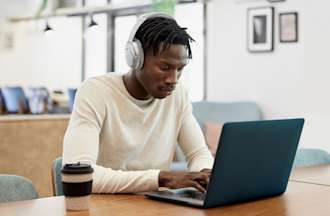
(268, 54)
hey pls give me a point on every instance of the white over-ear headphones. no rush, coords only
(133, 49)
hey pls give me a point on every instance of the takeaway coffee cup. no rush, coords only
(77, 185)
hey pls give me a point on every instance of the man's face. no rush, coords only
(161, 72)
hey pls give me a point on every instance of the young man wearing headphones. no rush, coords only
(127, 126)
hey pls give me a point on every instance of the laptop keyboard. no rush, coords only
(192, 194)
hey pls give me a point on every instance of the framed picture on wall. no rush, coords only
(260, 29)
(288, 24)
(6, 40)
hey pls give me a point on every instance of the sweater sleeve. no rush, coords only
(81, 143)
(192, 143)
(191, 138)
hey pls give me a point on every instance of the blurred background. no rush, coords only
(48, 47)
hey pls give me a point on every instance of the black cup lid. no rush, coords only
(77, 168)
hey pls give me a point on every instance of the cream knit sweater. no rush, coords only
(128, 141)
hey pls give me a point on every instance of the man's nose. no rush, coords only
(172, 78)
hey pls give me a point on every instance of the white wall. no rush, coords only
(291, 81)
(17, 7)
(54, 62)
(41, 60)
(37, 59)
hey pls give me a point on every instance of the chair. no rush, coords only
(39, 100)
(311, 157)
(15, 100)
(205, 111)
(15, 188)
(72, 95)
(56, 177)
(226, 112)
(2, 104)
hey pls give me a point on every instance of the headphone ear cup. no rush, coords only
(133, 50)
(134, 54)
(129, 54)
(140, 55)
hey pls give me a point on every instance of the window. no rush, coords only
(123, 26)
(193, 74)
(96, 43)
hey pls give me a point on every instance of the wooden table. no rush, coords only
(313, 175)
(300, 199)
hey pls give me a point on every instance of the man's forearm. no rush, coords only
(193, 144)
(106, 180)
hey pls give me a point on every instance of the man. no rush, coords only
(128, 126)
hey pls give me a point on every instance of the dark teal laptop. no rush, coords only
(253, 161)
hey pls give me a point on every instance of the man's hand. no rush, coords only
(206, 170)
(174, 180)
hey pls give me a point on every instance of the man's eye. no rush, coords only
(165, 67)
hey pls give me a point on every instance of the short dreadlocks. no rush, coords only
(161, 32)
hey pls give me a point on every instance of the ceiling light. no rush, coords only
(48, 29)
(92, 23)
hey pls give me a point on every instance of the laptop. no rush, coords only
(253, 161)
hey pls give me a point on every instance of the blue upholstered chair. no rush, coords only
(56, 177)
(15, 188)
(39, 100)
(311, 157)
(2, 103)
(226, 112)
(218, 112)
(15, 99)
(72, 95)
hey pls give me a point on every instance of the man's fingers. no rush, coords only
(204, 184)
(198, 180)
(202, 177)
(206, 170)
(198, 186)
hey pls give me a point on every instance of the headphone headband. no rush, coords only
(142, 19)
(133, 49)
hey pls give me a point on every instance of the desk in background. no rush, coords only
(28, 146)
